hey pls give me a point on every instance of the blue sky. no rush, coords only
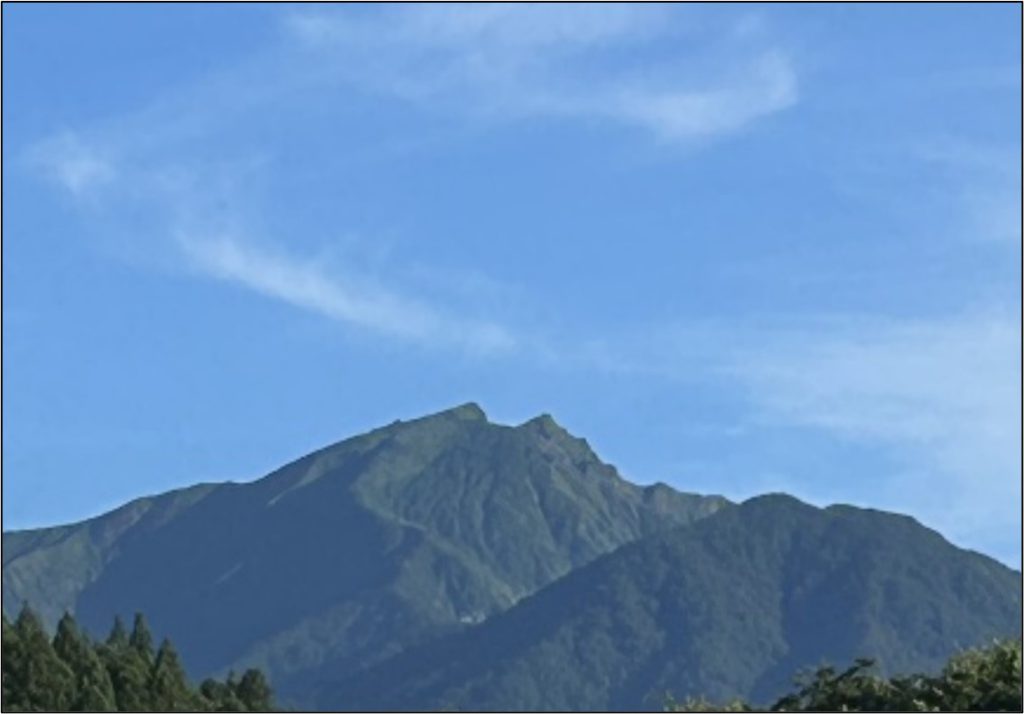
(739, 248)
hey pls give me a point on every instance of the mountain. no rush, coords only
(731, 606)
(351, 554)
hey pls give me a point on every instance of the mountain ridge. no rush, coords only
(365, 560)
(350, 553)
(695, 610)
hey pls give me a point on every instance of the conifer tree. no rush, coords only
(71, 673)
(38, 680)
(220, 696)
(128, 671)
(254, 692)
(141, 639)
(168, 686)
(118, 636)
(11, 654)
(93, 689)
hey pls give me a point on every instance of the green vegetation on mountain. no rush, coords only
(449, 562)
(73, 673)
(986, 679)
(350, 555)
(730, 606)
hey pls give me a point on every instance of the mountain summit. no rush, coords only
(351, 554)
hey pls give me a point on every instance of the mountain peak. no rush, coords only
(775, 499)
(545, 424)
(470, 411)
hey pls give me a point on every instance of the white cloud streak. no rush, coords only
(507, 62)
(939, 397)
(986, 183)
(308, 285)
(945, 392)
(486, 27)
(770, 86)
(78, 167)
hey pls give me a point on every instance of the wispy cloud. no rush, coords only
(941, 397)
(985, 180)
(77, 166)
(769, 85)
(309, 285)
(508, 62)
(946, 392)
(493, 28)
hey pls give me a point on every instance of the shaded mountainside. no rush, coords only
(731, 606)
(348, 555)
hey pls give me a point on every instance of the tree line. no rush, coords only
(71, 672)
(986, 679)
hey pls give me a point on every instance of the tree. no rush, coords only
(11, 654)
(141, 639)
(220, 696)
(254, 692)
(168, 686)
(700, 704)
(72, 673)
(118, 636)
(93, 689)
(854, 689)
(128, 670)
(986, 679)
(37, 678)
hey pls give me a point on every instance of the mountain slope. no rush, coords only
(731, 606)
(350, 554)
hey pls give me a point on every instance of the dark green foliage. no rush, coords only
(128, 669)
(141, 639)
(38, 679)
(118, 636)
(221, 696)
(854, 689)
(984, 679)
(254, 691)
(168, 687)
(93, 689)
(11, 653)
(728, 607)
(251, 693)
(74, 674)
(700, 704)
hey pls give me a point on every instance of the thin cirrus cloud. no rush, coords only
(487, 27)
(513, 62)
(945, 392)
(770, 86)
(986, 183)
(78, 167)
(940, 397)
(310, 286)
